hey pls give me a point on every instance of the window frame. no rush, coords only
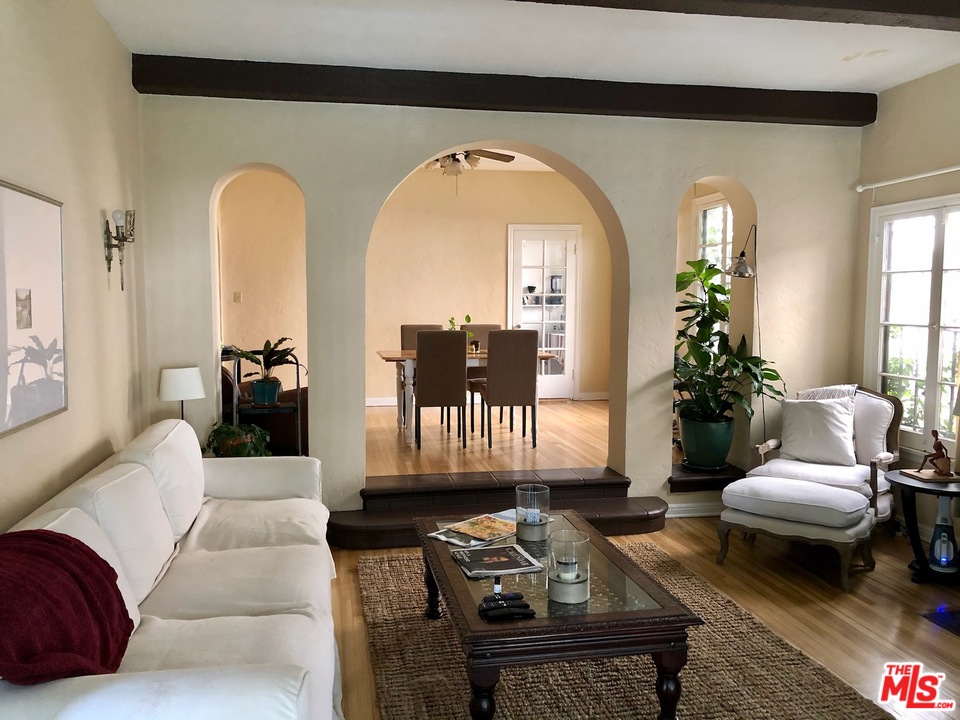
(699, 206)
(873, 328)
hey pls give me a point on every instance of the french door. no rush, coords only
(543, 286)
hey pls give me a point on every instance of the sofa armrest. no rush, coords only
(240, 692)
(262, 478)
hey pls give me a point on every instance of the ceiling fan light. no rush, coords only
(452, 166)
(471, 160)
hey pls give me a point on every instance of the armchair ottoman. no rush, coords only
(799, 510)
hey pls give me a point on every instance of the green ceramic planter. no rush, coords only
(706, 444)
(265, 393)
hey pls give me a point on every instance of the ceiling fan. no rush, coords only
(454, 163)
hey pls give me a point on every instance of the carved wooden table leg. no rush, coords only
(669, 664)
(433, 611)
(483, 684)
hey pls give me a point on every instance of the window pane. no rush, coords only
(907, 298)
(555, 253)
(951, 246)
(950, 299)
(946, 421)
(904, 351)
(909, 244)
(714, 254)
(532, 253)
(711, 226)
(910, 393)
(949, 349)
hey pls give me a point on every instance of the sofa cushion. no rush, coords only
(125, 503)
(796, 500)
(232, 582)
(871, 420)
(77, 524)
(231, 524)
(819, 431)
(849, 477)
(288, 639)
(170, 450)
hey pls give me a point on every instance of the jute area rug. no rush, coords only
(737, 668)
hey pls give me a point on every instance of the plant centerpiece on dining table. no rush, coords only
(712, 377)
(266, 388)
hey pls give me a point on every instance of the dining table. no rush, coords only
(406, 362)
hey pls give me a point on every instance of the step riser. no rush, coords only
(505, 497)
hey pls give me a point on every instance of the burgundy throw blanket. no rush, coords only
(61, 612)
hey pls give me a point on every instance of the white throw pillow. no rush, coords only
(819, 431)
(871, 420)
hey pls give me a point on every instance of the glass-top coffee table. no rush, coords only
(628, 613)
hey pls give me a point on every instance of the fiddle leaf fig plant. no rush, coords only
(712, 375)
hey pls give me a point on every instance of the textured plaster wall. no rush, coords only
(439, 248)
(69, 130)
(348, 160)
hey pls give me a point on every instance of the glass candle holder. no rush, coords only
(568, 566)
(533, 512)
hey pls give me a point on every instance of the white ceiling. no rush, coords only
(499, 36)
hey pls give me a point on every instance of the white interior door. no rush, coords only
(543, 286)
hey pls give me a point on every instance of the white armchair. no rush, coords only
(827, 485)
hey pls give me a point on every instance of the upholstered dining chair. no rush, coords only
(511, 379)
(481, 333)
(827, 485)
(408, 341)
(442, 376)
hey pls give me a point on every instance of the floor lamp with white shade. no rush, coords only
(181, 384)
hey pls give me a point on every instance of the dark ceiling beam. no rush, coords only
(166, 75)
(929, 14)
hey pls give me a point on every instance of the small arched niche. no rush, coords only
(714, 220)
(259, 217)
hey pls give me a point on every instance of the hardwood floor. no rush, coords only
(793, 589)
(569, 434)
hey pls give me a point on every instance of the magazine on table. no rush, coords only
(497, 560)
(479, 531)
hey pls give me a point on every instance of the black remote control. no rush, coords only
(504, 596)
(501, 614)
(497, 604)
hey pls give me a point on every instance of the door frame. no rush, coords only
(577, 278)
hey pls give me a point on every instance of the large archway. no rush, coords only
(456, 265)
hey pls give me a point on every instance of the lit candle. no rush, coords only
(567, 569)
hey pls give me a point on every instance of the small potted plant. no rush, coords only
(266, 388)
(237, 441)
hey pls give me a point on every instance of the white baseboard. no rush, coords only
(593, 396)
(701, 509)
(382, 401)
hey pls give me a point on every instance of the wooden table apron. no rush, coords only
(406, 362)
(661, 633)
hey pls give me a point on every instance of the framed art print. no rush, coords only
(33, 381)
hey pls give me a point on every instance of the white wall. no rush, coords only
(348, 159)
(69, 130)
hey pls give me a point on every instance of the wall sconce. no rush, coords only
(124, 222)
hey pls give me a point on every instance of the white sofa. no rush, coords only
(225, 571)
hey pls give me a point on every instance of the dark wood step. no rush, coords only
(391, 503)
(391, 492)
(686, 479)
